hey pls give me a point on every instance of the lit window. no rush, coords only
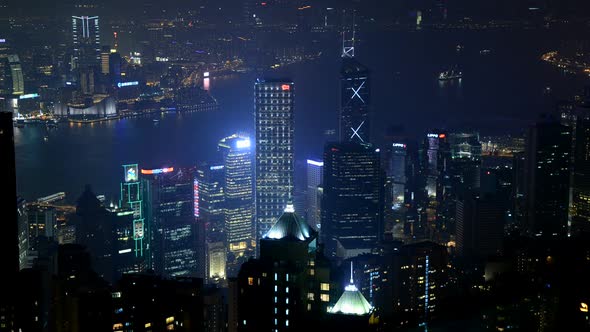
(310, 296)
(276, 276)
(312, 272)
(287, 290)
(276, 321)
(325, 297)
(309, 307)
(250, 281)
(287, 312)
(325, 286)
(244, 322)
(276, 299)
(287, 322)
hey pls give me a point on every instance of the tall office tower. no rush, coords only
(480, 224)
(396, 174)
(94, 230)
(547, 178)
(132, 198)
(115, 62)
(86, 42)
(289, 283)
(208, 207)
(436, 156)
(17, 81)
(422, 277)
(275, 101)
(105, 55)
(465, 163)
(209, 181)
(355, 101)
(239, 198)
(315, 179)
(11, 75)
(352, 204)
(9, 235)
(580, 211)
(173, 220)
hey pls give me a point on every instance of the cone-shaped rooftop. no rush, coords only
(352, 302)
(289, 226)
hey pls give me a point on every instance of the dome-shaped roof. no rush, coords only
(289, 226)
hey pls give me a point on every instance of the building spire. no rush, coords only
(351, 279)
(348, 44)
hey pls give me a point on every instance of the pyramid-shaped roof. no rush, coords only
(352, 302)
(289, 226)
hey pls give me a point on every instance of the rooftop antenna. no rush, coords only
(348, 44)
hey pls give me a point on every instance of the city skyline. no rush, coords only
(223, 166)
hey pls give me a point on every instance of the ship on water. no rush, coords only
(450, 74)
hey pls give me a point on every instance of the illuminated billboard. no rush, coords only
(157, 171)
(196, 197)
(130, 173)
(29, 96)
(123, 84)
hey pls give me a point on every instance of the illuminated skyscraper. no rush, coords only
(397, 174)
(11, 75)
(209, 181)
(209, 199)
(86, 42)
(174, 225)
(275, 101)
(239, 208)
(132, 198)
(352, 204)
(355, 96)
(315, 176)
(422, 278)
(105, 56)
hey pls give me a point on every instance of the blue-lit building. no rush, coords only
(315, 176)
(237, 157)
(175, 232)
(352, 204)
(355, 100)
(209, 200)
(274, 114)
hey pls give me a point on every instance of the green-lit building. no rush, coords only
(133, 192)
